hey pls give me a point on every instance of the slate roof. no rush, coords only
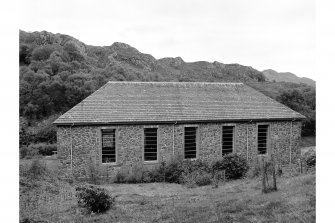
(170, 102)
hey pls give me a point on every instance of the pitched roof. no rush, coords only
(160, 102)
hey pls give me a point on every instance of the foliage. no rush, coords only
(133, 174)
(234, 165)
(33, 150)
(120, 177)
(174, 171)
(310, 158)
(304, 103)
(28, 152)
(196, 178)
(93, 198)
(170, 172)
(44, 149)
(24, 54)
(195, 165)
(311, 161)
(44, 131)
(42, 52)
(24, 137)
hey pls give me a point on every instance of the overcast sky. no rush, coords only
(264, 34)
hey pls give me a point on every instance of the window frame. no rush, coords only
(268, 138)
(196, 140)
(143, 143)
(116, 145)
(234, 136)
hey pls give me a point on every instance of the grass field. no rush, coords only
(50, 199)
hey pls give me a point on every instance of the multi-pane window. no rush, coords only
(108, 153)
(190, 143)
(227, 139)
(150, 144)
(262, 141)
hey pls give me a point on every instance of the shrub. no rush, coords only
(310, 158)
(134, 174)
(196, 178)
(148, 177)
(93, 198)
(47, 135)
(155, 175)
(120, 177)
(195, 165)
(42, 149)
(48, 149)
(28, 152)
(171, 171)
(234, 164)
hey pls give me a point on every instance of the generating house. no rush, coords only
(124, 124)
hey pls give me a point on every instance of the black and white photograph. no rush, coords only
(166, 111)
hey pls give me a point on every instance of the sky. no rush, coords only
(263, 34)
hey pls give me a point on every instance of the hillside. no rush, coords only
(57, 71)
(272, 75)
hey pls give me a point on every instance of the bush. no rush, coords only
(310, 158)
(48, 149)
(37, 149)
(234, 164)
(93, 198)
(196, 178)
(154, 175)
(195, 165)
(28, 152)
(170, 172)
(132, 175)
(120, 177)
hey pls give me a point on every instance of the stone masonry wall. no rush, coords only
(86, 145)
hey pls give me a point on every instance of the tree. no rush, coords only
(73, 52)
(24, 54)
(42, 52)
(304, 103)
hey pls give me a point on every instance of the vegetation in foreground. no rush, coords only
(44, 197)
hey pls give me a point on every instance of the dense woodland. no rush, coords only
(58, 71)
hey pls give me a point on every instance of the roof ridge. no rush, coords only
(173, 82)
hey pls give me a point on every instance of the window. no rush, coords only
(227, 139)
(262, 138)
(150, 144)
(108, 153)
(190, 143)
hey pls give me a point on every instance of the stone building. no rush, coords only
(124, 124)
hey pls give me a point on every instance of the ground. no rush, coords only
(50, 199)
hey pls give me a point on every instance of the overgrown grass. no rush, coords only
(45, 197)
